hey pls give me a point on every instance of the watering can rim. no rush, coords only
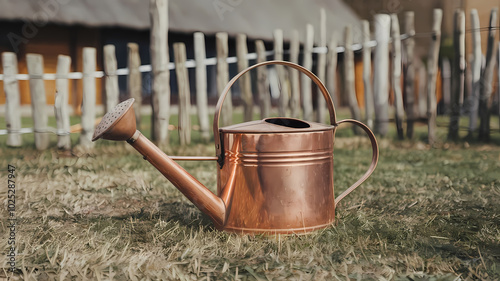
(276, 125)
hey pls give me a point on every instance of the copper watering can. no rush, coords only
(274, 176)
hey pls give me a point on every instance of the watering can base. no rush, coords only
(296, 231)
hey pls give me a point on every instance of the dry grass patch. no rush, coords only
(425, 214)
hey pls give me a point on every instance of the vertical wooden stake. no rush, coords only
(294, 75)
(396, 74)
(305, 81)
(223, 76)
(422, 91)
(184, 93)
(158, 10)
(244, 82)
(135, 80)
(458, 74)
(262, 81)
(321, 110)
(468, 81)
(201, 84)
(111, 79)
(89, 97)
(476, 71)
(432, 69)
(331, 69)
(38, 100)
(409, 78)
(367, 74)
(381, 76)
(349, 76)
(12, 99)
(61, 102)
(487, 80)
(280, 70)
(446, 85)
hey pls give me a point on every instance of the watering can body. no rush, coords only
(274, 176)
(283, 179)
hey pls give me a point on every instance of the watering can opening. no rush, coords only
(288, 122)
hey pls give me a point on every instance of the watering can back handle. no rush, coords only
(314, 78)
(375, 154)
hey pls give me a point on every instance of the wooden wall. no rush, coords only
(51, 41)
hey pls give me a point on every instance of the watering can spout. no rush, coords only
(196, 192)
(119, 124)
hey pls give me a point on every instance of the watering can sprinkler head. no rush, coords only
(118, 124)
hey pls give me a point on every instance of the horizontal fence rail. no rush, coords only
(189, 63)
(213, 61)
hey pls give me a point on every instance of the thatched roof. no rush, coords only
(256, 18)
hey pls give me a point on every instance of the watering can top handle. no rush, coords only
(314, 78)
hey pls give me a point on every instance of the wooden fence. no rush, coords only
(296, 98)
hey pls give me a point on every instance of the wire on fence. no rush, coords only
(31, 130)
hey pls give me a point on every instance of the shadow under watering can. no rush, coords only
(274, 176)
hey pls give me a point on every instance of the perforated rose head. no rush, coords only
(118, 124)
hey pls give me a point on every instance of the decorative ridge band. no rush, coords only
(260, 158)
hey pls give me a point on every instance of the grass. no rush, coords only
(425, 214)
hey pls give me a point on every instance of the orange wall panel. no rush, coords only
(358, 78)
(52, 41)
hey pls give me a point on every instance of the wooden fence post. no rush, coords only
(294, 75)
(201, 84)
(262, 81)
(349, 76)
(158, 10)
(321, 110)
(476, 71)
(135, 80)
(89, 97)
(498, 85)
(367, 74)
(422, 95)
(244, 82)
(38, 100)
(458, 72)
(487, 79)
(381, 76)
(446, 84)
(306, 81)
(184, 93)
(111, 79)
(396, 74)
(432, 69)
(61, 102)
(223, 77)
(331, 69)
(12, 99)
(468, 82)
(280, 70)
(409, 76)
